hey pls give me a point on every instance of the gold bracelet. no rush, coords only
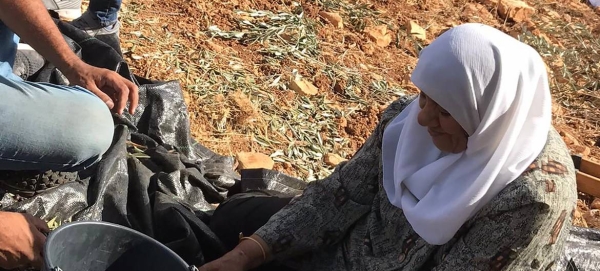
(257, 242)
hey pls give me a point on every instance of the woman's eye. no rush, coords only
(444, 113)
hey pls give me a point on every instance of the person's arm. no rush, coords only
(31, 21)
(323, 213)
(527, 228)
(21, 241)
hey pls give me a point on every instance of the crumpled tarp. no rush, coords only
(158, 180)
(582, 252)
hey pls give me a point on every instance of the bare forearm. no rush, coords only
(253, 252)
(31, 21)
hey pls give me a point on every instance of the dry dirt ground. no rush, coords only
(305, 82)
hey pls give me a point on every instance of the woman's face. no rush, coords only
(446, 133)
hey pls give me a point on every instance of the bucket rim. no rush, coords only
(53, 233)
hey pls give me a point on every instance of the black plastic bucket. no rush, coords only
(101, 246)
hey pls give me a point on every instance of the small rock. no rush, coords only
(416, 30)
(343, 122)
(581, 205)
(557, 63)
(333, 18)
(380, 35)
(333, 159)
(249, 160)
(490, 2)
(557, 110)
(476, 12)
(532, 27)
(369, 49)
(592, 218)
(339, 87)
(515, 10)
(303, 87)
(554, 14)
(583, 150)
(470, 9)
(215, 47)
(569, 138)
(329, 58)
(595, 204)
(578, 219)
(246, 18)
(376, 77)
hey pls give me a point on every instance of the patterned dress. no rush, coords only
(345, 222)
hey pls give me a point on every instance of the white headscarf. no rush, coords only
(497, 89)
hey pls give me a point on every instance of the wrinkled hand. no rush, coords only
(232, 261)
(21, 240)
(108, 85)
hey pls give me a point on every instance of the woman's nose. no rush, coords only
(428, 115)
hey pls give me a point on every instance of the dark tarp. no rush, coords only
(167, 190)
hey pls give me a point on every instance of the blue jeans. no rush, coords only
(106, 11)
(45, 126)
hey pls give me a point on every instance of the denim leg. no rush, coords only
(106, 11)
(50, 127)
(45, 126)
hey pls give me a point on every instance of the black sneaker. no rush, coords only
(107, 34)
(29, 183)
(27, 62)
(90, 24)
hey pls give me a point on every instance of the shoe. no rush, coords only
(108, 34)
(27, 61)
(29, 183)
(90, 24)
(67, 10)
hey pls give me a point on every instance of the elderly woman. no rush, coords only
(468, 176)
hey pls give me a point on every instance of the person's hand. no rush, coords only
(21, 240)
(108, 85)
(232, 261)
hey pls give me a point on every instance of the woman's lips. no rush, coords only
(434, 133)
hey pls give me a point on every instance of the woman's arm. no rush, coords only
(527, 225)
(323, 213)
(329, 207)
(247, 255)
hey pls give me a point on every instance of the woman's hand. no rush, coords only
(235, 260)
(247, 255)
(21, 240)
(108, 85)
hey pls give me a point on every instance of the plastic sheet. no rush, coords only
(157, 180)
(582, 251)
